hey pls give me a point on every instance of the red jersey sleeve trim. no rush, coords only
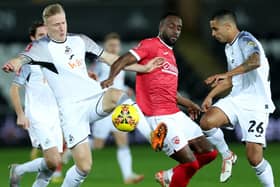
(135, 54)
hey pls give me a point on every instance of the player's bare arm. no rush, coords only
(128, 62)
(15, 64)
(193, 109)
(253, 62)
(22, 120)
(221, 86)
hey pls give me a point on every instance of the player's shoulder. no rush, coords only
(149, 40)
(246, 37)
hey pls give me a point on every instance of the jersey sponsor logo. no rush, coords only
(169, 68)
(68, 50)
(28, 47)
(165, 53)
(75, 63)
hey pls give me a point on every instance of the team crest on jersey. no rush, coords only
(176, 140)
(68, 50)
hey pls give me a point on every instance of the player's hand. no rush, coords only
(207, 103)
(214, 79)
(154, 64)
(107, 83)
(23, 121)
(193, 110)
(8, 67)
(92, 75)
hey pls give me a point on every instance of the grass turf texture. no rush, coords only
(106, 173)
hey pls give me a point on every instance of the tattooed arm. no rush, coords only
(252, 62)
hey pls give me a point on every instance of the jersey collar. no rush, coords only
(59, 42)
(235, 38)
(169, 47)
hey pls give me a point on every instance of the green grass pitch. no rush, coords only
(105, 172)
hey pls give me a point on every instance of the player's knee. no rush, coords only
(53, 162)
(206, 123)
(254, 160)
(85, 167)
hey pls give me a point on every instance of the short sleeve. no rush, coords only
(91, 46)
(23, 75)
(140, 51)
(248, 46)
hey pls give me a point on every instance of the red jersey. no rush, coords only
(156, 91)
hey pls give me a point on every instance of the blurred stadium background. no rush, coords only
(198, 55)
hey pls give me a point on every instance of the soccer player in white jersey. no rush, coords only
(40, 118)
(249, 102)
(102, 128)
(80, 99)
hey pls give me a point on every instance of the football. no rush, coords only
(125, 117)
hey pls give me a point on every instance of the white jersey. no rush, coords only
(63, 65)
(102, 71)
(252, 89)
(40, 103)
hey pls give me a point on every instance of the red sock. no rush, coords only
(183, 173)
(206, 158)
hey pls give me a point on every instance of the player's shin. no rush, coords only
(264, 173)
(74, 177)
(205, 158)
(183, 173)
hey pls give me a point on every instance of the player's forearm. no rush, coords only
(15, 98)
(253, 62)
(221, 87)
(183, 101)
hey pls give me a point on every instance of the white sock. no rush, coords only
(143, 126)
(36, 165)
(216, 137)
(74, 177)
(264, 173)
(125, 161)
(43, 178)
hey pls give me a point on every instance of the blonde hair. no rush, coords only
(51, 10)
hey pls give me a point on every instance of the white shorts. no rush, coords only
(180, 129)
(76, 117)
(103, 127)
(45, 136)
(253, 123)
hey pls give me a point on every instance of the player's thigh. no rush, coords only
(102, 128)
(82, 156)
(75, 122)
(222, 113)
(181, 129)
(47, 136)
(111, 98)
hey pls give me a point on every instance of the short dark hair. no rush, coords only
(34, 26)
(112, 35)
(224, 14)
(170, 13)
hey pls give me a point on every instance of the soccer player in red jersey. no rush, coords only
(156, 95)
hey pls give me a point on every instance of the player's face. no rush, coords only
(170, 29)
(40, 32)
(219, 30)
(113, 46)
(57, 27)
